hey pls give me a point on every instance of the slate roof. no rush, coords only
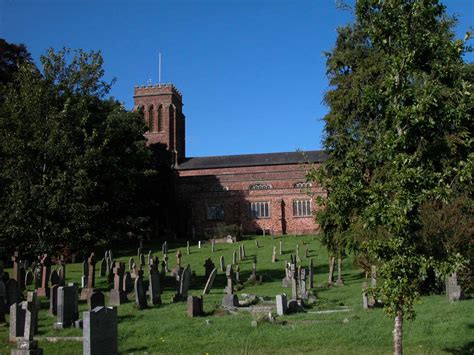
(230, 161)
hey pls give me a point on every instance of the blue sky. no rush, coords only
(252, 73)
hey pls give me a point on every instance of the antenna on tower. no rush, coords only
(159, 68)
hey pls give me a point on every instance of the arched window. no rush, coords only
(151, 119)
(303, 185)
(260, 187)
(160, 118)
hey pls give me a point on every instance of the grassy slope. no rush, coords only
(440, 326)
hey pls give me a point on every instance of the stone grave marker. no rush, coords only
(29, 278)
(13, 294)
(16, 261)
(311, 274)
(234, 257)
(243, 251)
(85, 272)
(17, 321)
(281, 305)
(139, 253)
(274, 255)
(373, 275)
(140, 292)
(281, 251)
(178, 257)
(62, 271)
(45, 270)
(241, 257)
(21, 277)
(150, 255)
(165, 259)
(237, 274)
(90, 278)
(103, 268)
(118, 295)
(53, 300)
(453, 289)
(127, 282)
(230, 300)
(208, 267)
(365, 299)
(213, 243)
(164, 248)
(26, 344)
(100, 332)
(131, 262)
(221, 260)
(256, 244)
(194, 306)
(96, 299)
(142, 260)
(188, 248)
(54, 278)
(199, 244)
(154, 282)
(67, 307)
(210, 282)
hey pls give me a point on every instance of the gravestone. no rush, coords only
(303, 294)
(208, 267)
(311, 274)
(230, 300)
(154, 282)
(184, 282)
(139, 253)
(213, 243)
(281, 305)
(34, 305)
(96, 299)
(13, 294)
(150, 256)
(234, 257)
(17, 321)
(21, 277)
(127, 282)
(195, 307)
(62, 271)
(107, 260)
(274, 259)
(253, 276)
(54, 278)
(237, 274)
(142, 260)
(131, 262)
(221, 260)
(118, 295)
(164, 248)
(3, 302)
(178, 257)
(16, 264)
(453, 289)
(53, 300)
(67, 308)
(210, 282)
(100, 332)
(103, 267)
(281, 247)
(165, 259)
(85, 273)
(188, 249)
(365, 299)
(297, 254)
(243, 252)
(140, 292)
(26, 344)
(90, 278)
(241, 256)
(29, 278)
(45, 270)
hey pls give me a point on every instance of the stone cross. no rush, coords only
(222, 264)
(100, 332)
(210, 282)
(154, 282)
(140, 292)
(45, 266)
(117, 294)
(178, 257)
(67, 308)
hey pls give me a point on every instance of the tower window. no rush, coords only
(302, 208)
(259, 209)
(151, 120)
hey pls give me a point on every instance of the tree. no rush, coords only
(11, 57)
(72, 161)
(398, 134)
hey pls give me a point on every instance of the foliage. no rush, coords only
(11, 57)
(398, 134)
(222, 230)
(71, 160)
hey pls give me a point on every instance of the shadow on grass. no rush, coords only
(465, 349)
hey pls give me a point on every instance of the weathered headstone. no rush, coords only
(67, 308)
(274, 255)
(21, 277)
(243, 252)
(237, 274)
(13, 294)
(139, 253)
(184, 282)
(311, 274)
(188, 248)
(241, 256)
(281, 252)
(142, 260)
(165, 260)
(210, 282)
(164, 248)
(140, 292)
(194, 306)
(90, 278)
(213, 244)
(208, 267)
(45, 270)
(95, 299)
(365, 299)
(100, 332)
(33, 304)
(118, 295)
(54, 278)
(149, 257)
(230, 300)
(154, 282)
(26, 343)
(53, 300)
(221, 260)
(453, 289)
(281, 305)
(103, 267)
(256, 244)
(127, 282)
(17, 321)
(234, 257)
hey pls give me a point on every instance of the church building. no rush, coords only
(259, 193)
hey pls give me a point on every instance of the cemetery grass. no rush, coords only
(440, 327)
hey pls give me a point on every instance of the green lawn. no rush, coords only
(439, 328)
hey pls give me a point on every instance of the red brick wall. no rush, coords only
(196, 190)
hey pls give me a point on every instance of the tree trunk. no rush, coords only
(332, 260)
(398, 334)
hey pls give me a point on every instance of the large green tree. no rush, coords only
(399, 136)
(72, 160)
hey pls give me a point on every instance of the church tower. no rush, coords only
(162, 108)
